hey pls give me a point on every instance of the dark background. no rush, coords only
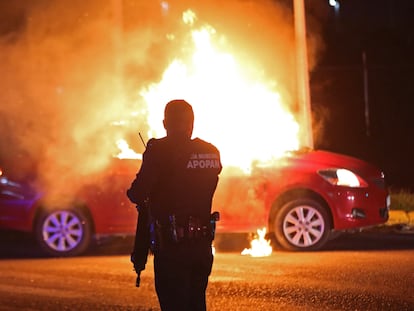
(384, 31)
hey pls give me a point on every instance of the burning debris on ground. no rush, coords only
(259, 246)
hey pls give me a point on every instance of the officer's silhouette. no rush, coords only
(173, 191)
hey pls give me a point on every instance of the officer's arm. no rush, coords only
(145, 178)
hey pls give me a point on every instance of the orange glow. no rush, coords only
(240, 113)
(260, 247)
(100, 71)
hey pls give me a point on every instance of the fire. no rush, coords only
(260, 247)
(243, 115)
(125, 151)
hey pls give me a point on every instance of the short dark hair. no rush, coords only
(178, 109)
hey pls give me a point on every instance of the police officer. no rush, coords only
(176, 184)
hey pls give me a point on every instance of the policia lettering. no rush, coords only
(203, 160)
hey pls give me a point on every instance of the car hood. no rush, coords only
(327, 159)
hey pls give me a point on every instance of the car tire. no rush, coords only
(302, 225)
(63, 232)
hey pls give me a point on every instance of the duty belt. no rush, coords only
(191, 231)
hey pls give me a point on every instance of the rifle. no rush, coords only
(139, 254)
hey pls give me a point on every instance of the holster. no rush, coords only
(156, 236)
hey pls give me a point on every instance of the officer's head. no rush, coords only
(179, 119)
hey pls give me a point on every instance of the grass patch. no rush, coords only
(402, 200)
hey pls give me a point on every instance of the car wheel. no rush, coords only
(302, 225)
(63, 232)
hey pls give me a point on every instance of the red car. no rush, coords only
(302, 199)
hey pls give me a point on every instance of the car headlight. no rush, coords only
(343, 177)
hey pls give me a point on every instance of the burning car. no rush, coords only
(306, 197)
(302, 199)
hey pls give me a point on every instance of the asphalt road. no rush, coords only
(368, 271)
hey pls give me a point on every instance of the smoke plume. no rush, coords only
(72, 74)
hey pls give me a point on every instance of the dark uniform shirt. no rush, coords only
(177, 178)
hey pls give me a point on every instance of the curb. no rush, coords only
(401, 218)
(399, 222)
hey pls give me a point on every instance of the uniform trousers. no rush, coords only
(181, 274)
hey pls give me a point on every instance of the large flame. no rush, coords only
(70, 72)
(234, 108)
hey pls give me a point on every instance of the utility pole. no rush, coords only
(366, 94)
(302, 74)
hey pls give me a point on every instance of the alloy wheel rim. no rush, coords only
(303, 226)
(62, 231)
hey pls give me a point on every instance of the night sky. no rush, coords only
(371, 120)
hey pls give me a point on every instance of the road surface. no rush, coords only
(371, 271)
